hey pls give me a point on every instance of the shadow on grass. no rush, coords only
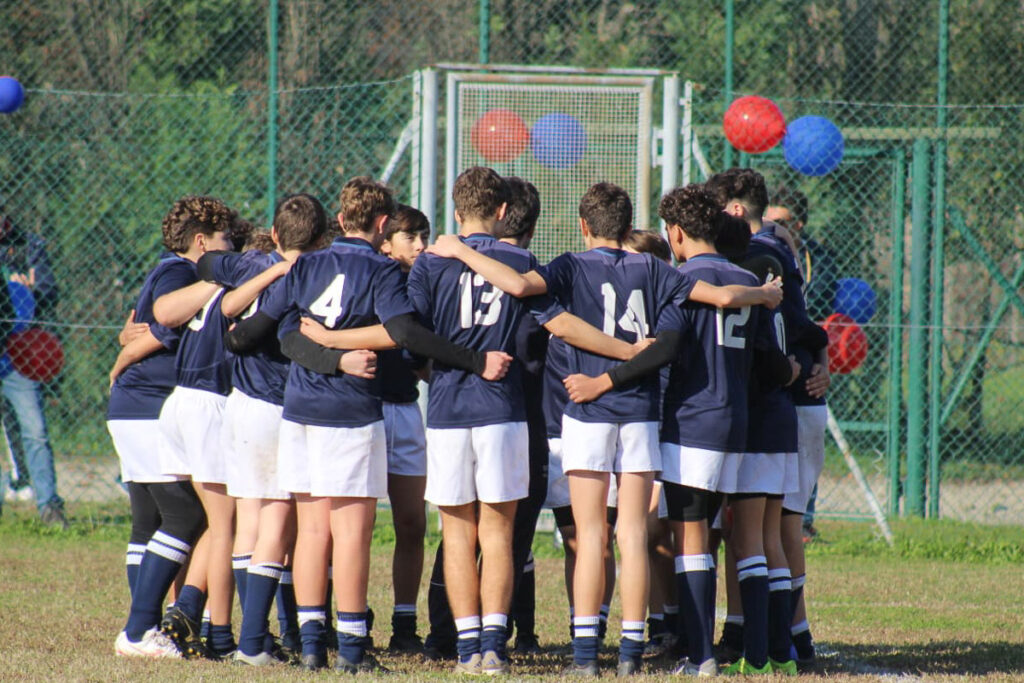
(943, 657)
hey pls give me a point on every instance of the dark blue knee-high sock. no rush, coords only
(132, 559)
(753, 578)
(312, 619)
(191, 602)
(352, 632)
(780, 614)
(240, 568)
(287, 617)
(160, 564)
(261, 585)
(693, 576)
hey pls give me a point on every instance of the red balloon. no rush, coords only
(500, 135)
(847, 343)
(36, 353)
(754, 124)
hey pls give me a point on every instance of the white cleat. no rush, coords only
(154, 644)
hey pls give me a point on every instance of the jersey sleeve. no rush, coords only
(389, 293)
(173, 279)
(559, 276)
(671, 319)
(672, 285)
(226, 269)
(167, 336)
(418, 290)
(279, 299)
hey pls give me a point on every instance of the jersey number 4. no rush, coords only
(328, 304)
(634, 319)
(490, 302)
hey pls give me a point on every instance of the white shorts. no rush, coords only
(558, 482)
(490, 464)
(697, 468)
(405, 438)
(133, 441)
(768, 473)
(811, 422)
(251, 429)
(334, 462)
(610, 447)
(192, 442)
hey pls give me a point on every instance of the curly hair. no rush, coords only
(363, 200)
(479, 192)
(260, 240)
(608, 211)
(648, 242)
(693, 209)
(409, 220)
(192, 215)
(744, 185)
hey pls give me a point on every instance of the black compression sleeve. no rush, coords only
(204, 267)
(662, 351)
(813, 338)
(247, 334)
(410, 335)
(772, 368)
(310, 355)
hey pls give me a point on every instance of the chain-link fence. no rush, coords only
(132, 103)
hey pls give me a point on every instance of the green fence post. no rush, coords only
(485, 31)
(271, 110)
(935, 362)
(730, 42)
(917, 405)
(894, 438)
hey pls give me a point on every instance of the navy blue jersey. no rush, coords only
(344, 286)
(705, 404)
(202, 361)
(624, 295)
(463, 307)
(396, 370)
(261, 374)
(556, 396)
(531, 346)
(772, 427)
(793, 306)
(139, 392)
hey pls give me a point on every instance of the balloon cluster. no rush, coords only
(556, 140)
(812, 145)
(854, 303)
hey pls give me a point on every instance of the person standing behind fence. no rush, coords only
(23, 259)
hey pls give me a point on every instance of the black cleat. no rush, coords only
(586, 669)
(313, 661)
(368, 665)
(527, 645)
(184, 632)
(405, 643)
(628, 667)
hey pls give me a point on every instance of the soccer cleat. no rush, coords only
(472, 666)
(726, 652)
(368, 665)
(493, 664)
(434, 649)
(407, 643)
(261, 659)
(153, 644)
(313, 661)
(585, 669)
(786, 668)
(527, 645)
(743, 668)
(685, 667)
(184, 632)
(628, 667)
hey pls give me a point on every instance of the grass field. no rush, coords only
(946, 602)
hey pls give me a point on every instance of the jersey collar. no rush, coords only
(709, 257)
(357, 242)
(480, 236)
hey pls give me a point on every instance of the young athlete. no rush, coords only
(624, 294)
(193, 226)
(332, 445)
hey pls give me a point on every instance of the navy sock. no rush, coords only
(671, 613)
(797, 592)
(160, 564)
(584, 639)
(468, 642)
(191, 601)
(780, 615)
(261, 584)
(204, 628)
(239, 567)
(753, 578)
(494, 636)
(632, 644)
(403, 620)
(132, 558)
(802, 641)
(693, 574)
(287, 617)
(312, 628)
(222, 641)
(352, 634)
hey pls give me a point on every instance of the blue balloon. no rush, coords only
(813, 145)
(11, 94)
(24, 305)
(855, 298)
(558, 141)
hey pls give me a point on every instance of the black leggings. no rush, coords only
(171, 507)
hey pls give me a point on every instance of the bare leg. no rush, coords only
(631, 534)
(410, 520)
(495, 535)
(588, 493)
(459, 534)
(351, 522)
(312, 549)
(220, 515)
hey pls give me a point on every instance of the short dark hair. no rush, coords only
(607, 210)
(407, 219)
(792, 199)
(648, 242)
(479, 192)
(363, 200)
(693, 209)
(744, 185)
(732, 236)
(240, 231)
(193, 214)
(523, 209)
(300, 221)
(260, 240)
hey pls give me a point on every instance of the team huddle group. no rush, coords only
(265, 397)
